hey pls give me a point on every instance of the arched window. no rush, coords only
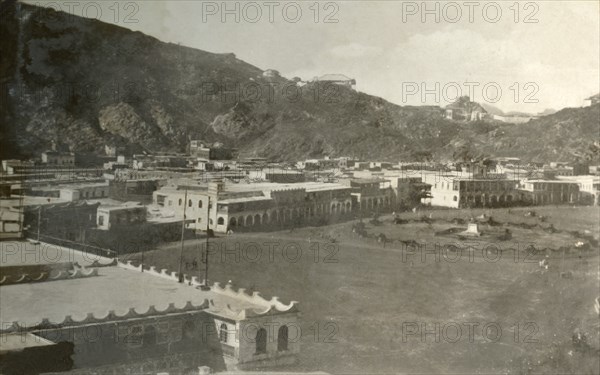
(200, 203)
(220, 221)
(149, 338)
(282, 339)
(261, 341)
(190, 203)
(223, 333)
(188, 330)
(180, 201)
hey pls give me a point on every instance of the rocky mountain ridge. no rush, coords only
(83, 84)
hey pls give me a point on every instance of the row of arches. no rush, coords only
(286, 215)
(374, 203)
(261, 340)
(489, 200)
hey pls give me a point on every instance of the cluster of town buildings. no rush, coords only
(215, 189)
(140, 200)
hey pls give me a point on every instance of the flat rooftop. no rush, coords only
(20, 341)
(552, 181)
(372, 180)
(120, 206)
(23, 253)
(83, 186)
(244, 199)
(271, 186)
(38, 201)
(115, 288)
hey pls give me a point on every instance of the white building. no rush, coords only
(84, 191)
(126, 214)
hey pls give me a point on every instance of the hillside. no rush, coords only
(84, 84)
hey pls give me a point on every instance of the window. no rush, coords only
(180, 201)
(100, 220)
(223, 333)
(282, 339)
(200, 203)
(134, 337)
(190, 203)
(220, 221)
(149, 338)
(188, 331)
(455, 198)
(261, 341)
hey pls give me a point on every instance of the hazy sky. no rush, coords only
(545, 51)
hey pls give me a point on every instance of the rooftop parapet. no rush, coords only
(111, 316)
(242, 305)
(48, 276)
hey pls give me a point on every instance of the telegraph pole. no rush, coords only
(39, 221)
(182, 236)
(207, 239)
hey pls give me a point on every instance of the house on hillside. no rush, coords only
(338, 79)
(592, 100)
(56, 158)
(514, 119)
(271, 73)
(463, 109)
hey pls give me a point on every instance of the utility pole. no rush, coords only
(207, 238)
(39, 221)
(182, 236)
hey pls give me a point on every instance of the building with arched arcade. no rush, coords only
(224, 206)
(450, 190)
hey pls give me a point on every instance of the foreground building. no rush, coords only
(127, 321)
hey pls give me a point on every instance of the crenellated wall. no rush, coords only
(110, 317)
(264, 306)
(52, 275)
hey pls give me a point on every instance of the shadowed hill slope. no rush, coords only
(83, 84)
